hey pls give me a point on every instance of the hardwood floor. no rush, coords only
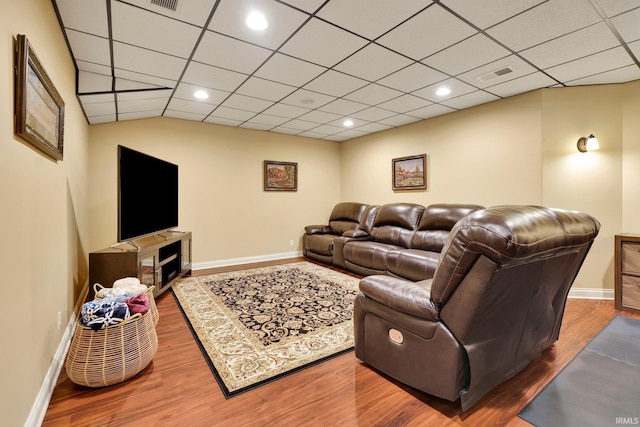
(178, 388)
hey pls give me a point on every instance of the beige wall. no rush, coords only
(44, 217)
(221, 194)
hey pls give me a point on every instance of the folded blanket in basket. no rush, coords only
(100, 313)
(138, 304)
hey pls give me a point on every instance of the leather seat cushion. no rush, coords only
(320, 243)
(368, 254)
(412, 264)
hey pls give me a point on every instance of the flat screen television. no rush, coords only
(147, 194)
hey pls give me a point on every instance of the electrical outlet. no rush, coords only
(59, 320)
(290, 242)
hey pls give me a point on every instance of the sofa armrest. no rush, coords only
(355, 234)
(317, 229)
(413, 298)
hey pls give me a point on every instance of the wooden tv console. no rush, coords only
(158, 260)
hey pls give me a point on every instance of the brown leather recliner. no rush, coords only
(495, 302)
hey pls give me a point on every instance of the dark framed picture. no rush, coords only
(39, 108)
(409, 173)
(280, 176)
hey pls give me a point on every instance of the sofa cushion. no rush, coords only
(346, 216)
(436, 223)
(367, 254)
(412, 264)
(395, 223)
(320, 243)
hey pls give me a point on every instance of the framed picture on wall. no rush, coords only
(280, 176)
(409, 173)
(39, 108)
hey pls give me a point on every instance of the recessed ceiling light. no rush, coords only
(347, 123)
(200, 94)
(443, 91)
(256, 21)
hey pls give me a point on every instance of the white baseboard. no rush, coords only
(588, 293)
(246, 260)
(39, 408)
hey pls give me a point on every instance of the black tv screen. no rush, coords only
(147, 194)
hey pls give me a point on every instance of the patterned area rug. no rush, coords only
(259, 324)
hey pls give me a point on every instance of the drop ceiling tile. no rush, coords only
(521, 85)
(192, 11)
(373, 114)
(265, 89)
(186, 91)
(300, 125)
(288, 70)
(231, 54)
(373, 62)
(427, 33)
(135, 26)
(94, 68)
(430, 111)
(343, 107)
(544, 22)
(283, 110)
(223, 121)
(598, 63)
(399, 120)
(635, 48)
(374, 127)
(88, 16)
(320, 117)
(145, 94)
(92, 82)
(339, 123)
(486, 13)
(284, 129)
(96, 120)
(255, 126)
(373, 94)
(247, 103)
(584, 42)
(336, 138)
(268, 120)
(306, 5)
(307, 99)
(283, 20)
(125, 84)
(619, 75)
(335, 83)
(413, 77)
(139, 115)
(99, 108)
(213, 77)
(187, 106)
(313, 134)
(145, 61)
(614, 7)
(97, 98)
(480, 77)
(470, 53)
(368, 18)
(404, 103)
(628, 25)
(322, 43)
(142, 79)
(352, 133)
(469, 100)
(134, 105)
(89, 48)
(329, 129)
(184, 115)
(233, 113)
(456, 86)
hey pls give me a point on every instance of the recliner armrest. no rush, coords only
(317, 229)
(355, 233)
(413, 298)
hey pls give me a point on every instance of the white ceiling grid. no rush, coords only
(319, 62)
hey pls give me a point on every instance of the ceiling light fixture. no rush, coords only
(588, 144)
(347, 123)
(256, 21)
(443, 91)
(200, 94)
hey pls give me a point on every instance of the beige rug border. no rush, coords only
(218, 324)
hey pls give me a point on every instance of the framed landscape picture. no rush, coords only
(39, 108)
(280, 176)
(409, 173)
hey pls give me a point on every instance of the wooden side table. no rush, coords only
(627, 270)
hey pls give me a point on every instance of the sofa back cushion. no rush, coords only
(436, 223)
(395, 223)
(346, 216)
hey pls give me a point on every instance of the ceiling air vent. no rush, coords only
(167, 4)
(494, 74)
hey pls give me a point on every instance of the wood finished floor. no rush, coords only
(178, 388)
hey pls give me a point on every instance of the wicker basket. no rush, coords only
(112, 354)
(152, 301)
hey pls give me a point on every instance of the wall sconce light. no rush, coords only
(588, 144)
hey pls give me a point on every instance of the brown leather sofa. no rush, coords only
(495, 302)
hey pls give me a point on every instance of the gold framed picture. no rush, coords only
(409, 173)
(280, 176)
